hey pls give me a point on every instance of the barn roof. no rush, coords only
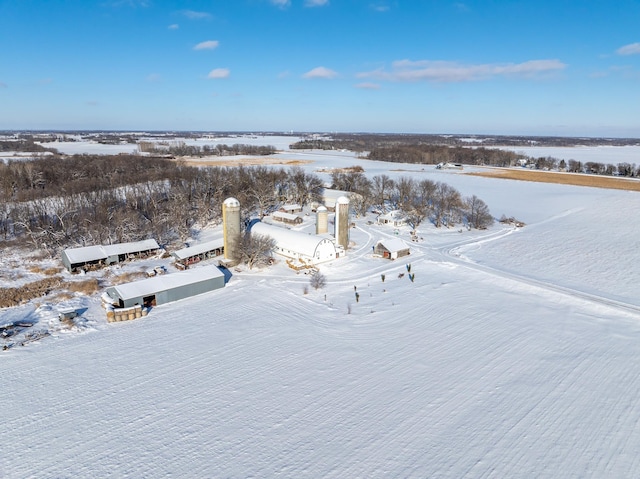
(147, 287)
(132, 247)
(393, 244)
(199, 249)
(302, 243)
(87, 254)
(285, 216)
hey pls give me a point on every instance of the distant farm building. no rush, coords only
(200, 252)
(298, 245)
(287, 218)
(88, 257)
(393, 218)
(167, 288)
(329, 197)
(392, 248)
(291, 208)
(449, 166)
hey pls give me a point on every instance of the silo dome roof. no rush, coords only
(232, 202)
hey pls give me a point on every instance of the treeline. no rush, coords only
(182, 149)
(434, 154)
(46, 176)
(367, 141)
(419, 200)
(85, 200)
(104, 200)
(24, 146)
(434, 149)
(629, 170)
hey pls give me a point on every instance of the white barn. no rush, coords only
(298, 245)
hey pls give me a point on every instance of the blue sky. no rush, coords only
(417, 66)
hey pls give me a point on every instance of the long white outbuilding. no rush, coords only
(299, 245)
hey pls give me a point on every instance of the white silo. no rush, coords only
(322, 220)
(341, 223)
(230, 225)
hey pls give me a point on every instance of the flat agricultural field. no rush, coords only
(240, 161)
(576, 179)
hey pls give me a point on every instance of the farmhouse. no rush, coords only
(298, 245)
(167, 288)
(199, 252)
(288, 218)
(102, 255)
(393, 218)
(393, 248)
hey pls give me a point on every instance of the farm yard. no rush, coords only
(503, 352)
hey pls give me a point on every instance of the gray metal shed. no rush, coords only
(75, 258)
(167, 288)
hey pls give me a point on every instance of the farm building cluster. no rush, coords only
(301, 250)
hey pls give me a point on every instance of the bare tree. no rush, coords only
(446, 203)
(477, 213)
(318, 280)
(254, 249)
(381, 188)
(404, 192)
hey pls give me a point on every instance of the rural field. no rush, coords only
(512, 353)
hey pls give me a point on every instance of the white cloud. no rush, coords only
(448, 72)
(127, 3)
(193, 15)
(316, 3)
(379, 7)
(208, 45)
(320, 72)
(281, 3)
(368, 86)
(218, 73)
(631, 49)
(173, 26)
(154, 77)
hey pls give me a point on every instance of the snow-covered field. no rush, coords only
(608, 155)
(513, 354)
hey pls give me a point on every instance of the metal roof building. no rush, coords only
(74, 258)
(167, 288)
(298, 245)
(199, 252)
(391, 248)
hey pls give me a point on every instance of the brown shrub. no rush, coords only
(87, 286)
(37, 269)
(128, 277)
(14, 296)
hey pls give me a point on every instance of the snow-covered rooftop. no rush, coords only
(85, 254)
(303, 243)
(132, 247)
(393, 244)
(165, 282)
(198, 249)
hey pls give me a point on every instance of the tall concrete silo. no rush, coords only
(230, 225)
(341, 223)
(322, 220)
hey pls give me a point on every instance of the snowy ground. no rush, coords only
(513, 354)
